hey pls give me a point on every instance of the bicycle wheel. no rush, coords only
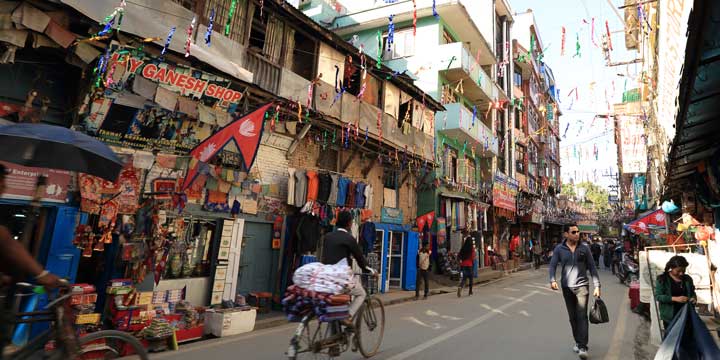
(111, 344)
(370, 327)
(309, 341)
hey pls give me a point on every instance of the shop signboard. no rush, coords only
(391, 216)
(157, 104)
(672, 39)
(20, 183)
(633, 150)
(505, 191)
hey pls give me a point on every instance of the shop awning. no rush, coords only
(150, 19)
(456, 195)
(653, 221)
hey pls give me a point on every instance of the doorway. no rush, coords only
(395, 258)
(255, 273)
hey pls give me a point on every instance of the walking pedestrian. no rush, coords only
(467, 256)
(575, 259)
(423, 264)
(673, 289)
(596, 251)
(537, 254)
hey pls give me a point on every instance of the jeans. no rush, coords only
(358, 296)
(576, 301)
(537, 260)
(466, 274)
(422, 275)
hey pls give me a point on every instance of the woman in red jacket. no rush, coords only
(466, 256)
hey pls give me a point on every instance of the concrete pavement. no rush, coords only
(517, 317)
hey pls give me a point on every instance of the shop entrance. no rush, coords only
(255, 272)
(395, 258)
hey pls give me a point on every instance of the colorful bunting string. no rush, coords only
(208, 33)
(607, 29)
(189, 32)
(231, 13)
(577, 45)
(562, 42)
(434, 10)
(414, 18)
(391, 33)
(167, 43)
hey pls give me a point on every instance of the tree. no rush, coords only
(596, 195)
(568, 190)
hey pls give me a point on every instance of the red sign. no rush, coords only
(20, 183)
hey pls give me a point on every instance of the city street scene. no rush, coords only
(354, 179)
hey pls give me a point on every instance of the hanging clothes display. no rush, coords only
(308, 234)
(312, 185)
(368, 196)
(350, 201)
(300, 187)
(325, 181)
(342, 190)
(367, 236)
(291, 187)
(332, 198)
(360, 195)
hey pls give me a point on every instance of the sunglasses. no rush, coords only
(574, 232)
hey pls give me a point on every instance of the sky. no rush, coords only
(584, 76)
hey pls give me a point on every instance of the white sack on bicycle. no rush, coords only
(331, 279)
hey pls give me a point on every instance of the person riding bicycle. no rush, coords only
(16, 262)
(340, 244)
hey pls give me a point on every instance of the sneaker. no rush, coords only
(459, 292)
(470, 293)
(576, 349)
(425, 297)
(583, 353)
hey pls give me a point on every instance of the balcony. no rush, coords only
(460, 64)
(457, 122)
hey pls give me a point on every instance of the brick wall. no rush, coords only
(271, 165)
(306, 156)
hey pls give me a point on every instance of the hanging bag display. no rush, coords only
(599, 313)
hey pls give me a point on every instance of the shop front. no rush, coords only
(505, 191)
(399, 250)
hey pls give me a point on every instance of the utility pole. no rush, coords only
(614, 193)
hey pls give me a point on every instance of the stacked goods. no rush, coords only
(158, 329)
(318, 289)
(329, 279)
(83, 300)
(299, 302)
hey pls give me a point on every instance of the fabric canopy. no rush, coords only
(643, 225)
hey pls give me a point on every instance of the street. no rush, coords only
(517, 317)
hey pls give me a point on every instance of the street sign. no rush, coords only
(613, 199)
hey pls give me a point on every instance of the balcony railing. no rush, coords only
(457, 121)
(460, 64)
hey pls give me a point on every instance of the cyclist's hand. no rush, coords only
(372, 271)
(51, 281)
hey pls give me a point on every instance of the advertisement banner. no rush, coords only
(633, 151)
(20, 183)
(639, 195)
(505, 191)
(672, 38)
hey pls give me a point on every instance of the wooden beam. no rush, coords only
(404, 179)
(298, 138)
(348, 161)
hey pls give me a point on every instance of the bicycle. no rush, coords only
(314, 339)
(104, 344)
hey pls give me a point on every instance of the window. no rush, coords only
(390, 187)
(373, 91)
(520, 158)
(517, 78)
(448, 95)
(222, 8)
(451, 163)
(470, 172)
(405, 114)
(301, 56)
(403, 45)
(266, 35)
(518, 119)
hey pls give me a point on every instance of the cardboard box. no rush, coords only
(144, 298)
(229, 323)
(87, 319)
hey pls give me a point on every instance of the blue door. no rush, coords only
(410, 260)
(63, 257)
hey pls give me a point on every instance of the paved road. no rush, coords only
(518, 317)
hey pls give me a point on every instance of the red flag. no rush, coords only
(655, 219)
(245, 131)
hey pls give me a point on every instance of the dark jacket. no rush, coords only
(663, 294)
(574, 266)
(340, 245)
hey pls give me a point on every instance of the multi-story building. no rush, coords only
(458, 52)
(336, 114)
(537, 160)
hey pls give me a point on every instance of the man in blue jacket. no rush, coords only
(575, 259)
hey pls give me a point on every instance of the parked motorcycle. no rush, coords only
(628, 270)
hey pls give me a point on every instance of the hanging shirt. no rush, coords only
(312, 185)
(342, 190)
(350, 200)
(324, 188)
(360, 195)
(291, 187)
(332, 199)
(300, 188)
(368, 196)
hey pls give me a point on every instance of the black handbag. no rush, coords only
(599, 313)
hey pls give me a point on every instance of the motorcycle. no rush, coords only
(628, 270)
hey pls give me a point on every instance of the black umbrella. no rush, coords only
(56, 147)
